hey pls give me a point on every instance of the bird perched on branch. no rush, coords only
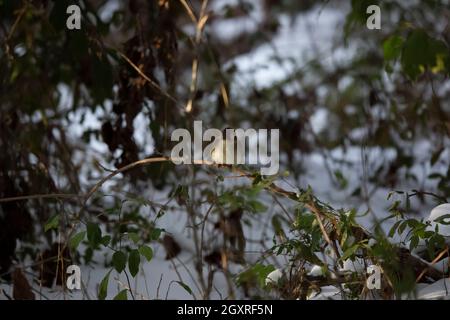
(226, 150)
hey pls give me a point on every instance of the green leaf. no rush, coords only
(133, 262)
(421, 52)
(392, 47)
(415, 54)
(52, 223)
(307, 253)
(76, 240)
(402, 227)
(350, 252)
(103, 288)
(185, 287)
(156, 233)
(341, 179)
(277, 227)
(442, 219)
(262, 272)
(147, 252)
(94, 234)
(119, 260)
(256, 206)
(414, 242)
(122, 295)
(134, 237)
(262, 182)
(258, 272)
(88, 253)
(394, 228)
(105, 240)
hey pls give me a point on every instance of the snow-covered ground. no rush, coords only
(297, 42)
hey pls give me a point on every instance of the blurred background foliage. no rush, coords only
(387, 97)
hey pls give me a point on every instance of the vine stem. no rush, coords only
(272, 187)
(41, 196)
(309, 204)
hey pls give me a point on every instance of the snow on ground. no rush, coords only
(297, 42)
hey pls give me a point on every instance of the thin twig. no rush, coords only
(153, 83)
(129, 283)
(41, 196)
(159, 285)
(189, 11)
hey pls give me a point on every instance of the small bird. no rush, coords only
(228, 146)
